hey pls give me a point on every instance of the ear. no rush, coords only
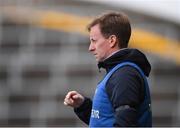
(112, 41)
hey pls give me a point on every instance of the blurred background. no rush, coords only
(44, 54)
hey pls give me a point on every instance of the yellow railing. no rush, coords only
(142, 39)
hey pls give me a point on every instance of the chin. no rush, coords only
(98, 60)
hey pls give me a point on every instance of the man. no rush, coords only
(122, 98)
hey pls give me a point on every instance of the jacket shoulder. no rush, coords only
(125, 86)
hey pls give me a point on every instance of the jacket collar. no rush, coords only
(131, 55)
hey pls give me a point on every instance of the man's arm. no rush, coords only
(125, 89)
(84, 111)
(82, 105)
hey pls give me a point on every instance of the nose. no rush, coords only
(91, 47)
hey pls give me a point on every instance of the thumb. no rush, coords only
(75, 97)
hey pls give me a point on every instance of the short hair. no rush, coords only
(114, 23)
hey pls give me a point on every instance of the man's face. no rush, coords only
(99, 45)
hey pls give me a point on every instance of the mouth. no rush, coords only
(95, 55)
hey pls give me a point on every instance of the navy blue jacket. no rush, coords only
(124, 88)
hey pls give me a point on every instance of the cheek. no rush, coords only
(102, 48)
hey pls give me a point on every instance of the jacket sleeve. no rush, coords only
(125, 89)
(84, 111)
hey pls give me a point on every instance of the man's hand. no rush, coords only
(73, 99)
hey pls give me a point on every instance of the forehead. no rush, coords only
(95, 31)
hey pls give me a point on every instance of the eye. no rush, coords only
(93, 40)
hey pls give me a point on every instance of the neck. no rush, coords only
(113, 52)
